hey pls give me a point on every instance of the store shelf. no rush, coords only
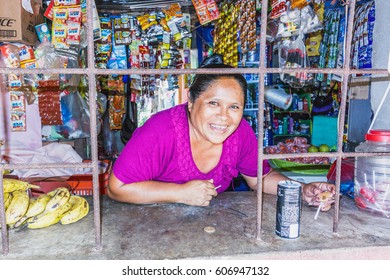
(291, 135)
(291, 112)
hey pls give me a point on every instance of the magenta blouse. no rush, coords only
(160, 150)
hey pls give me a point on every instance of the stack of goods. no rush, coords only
(293, 146)
(329, 47)
(226, 30)
(363, 36)
(207, 10)
(111, 56)
(247, 30)
(66, 19)
(151, 40)
(294, 21)
(50, 102)
(58, 47)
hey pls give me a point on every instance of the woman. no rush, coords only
(191, 152)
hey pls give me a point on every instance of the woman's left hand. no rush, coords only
(319, 192)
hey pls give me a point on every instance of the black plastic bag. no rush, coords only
(323, 105)
(129, 123)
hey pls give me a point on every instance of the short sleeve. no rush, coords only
(248, 153)
(144, 155)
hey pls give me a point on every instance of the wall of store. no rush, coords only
(381, 52)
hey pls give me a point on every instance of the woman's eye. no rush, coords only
(213, 103)
(235, 107)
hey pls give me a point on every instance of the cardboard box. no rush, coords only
(17, 24)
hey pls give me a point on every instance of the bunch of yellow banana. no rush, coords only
(48, 209)
(48, 218)
(36, 207)
(62, 207)
(55, 207)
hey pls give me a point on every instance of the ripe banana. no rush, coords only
(48, 218)
(38, 205)
(79, 210)
(11, 185)
(18, 207)
(7, 199)
(58, 198)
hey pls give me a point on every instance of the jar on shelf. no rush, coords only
(372, 174)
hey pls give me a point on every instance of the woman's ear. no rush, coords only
(189, 104)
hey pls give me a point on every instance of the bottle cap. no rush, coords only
(378, 135)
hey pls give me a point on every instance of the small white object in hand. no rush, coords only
(318, 211)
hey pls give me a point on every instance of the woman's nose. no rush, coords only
(223, 113)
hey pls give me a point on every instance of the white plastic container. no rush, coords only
(372, 174)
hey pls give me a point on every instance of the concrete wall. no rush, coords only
(381, 47)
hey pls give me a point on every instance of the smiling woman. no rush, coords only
(181, 154)
(217, 113)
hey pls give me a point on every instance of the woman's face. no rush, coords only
(216, 113)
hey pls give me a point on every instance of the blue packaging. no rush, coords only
(43, 32)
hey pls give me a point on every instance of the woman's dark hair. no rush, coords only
(202, 82)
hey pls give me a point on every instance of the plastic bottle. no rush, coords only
(255, 124)
(285, 125)
(372, 174)
(300, 104)
(305, 105)
(280, 127)
(276, 125)
(295, 102)
(290, 125)
(265, 138)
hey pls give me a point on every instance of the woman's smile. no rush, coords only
(219, 128)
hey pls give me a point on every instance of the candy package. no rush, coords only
(278, 8)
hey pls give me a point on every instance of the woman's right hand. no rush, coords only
(197, 192)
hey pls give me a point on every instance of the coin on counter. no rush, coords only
(209, 229)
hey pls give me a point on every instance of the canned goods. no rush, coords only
(288, 209)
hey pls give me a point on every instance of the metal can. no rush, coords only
(288, 209)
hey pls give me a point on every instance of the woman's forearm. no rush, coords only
(195, 192)
(270, 181)
(146, 192)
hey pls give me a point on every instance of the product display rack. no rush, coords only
(299, 113)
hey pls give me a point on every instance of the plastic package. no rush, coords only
(75, 117)
(296, 57)
(309, 21)
(372, 174)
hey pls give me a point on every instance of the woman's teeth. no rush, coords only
(218, 127)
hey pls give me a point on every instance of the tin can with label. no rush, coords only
(288, 209)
